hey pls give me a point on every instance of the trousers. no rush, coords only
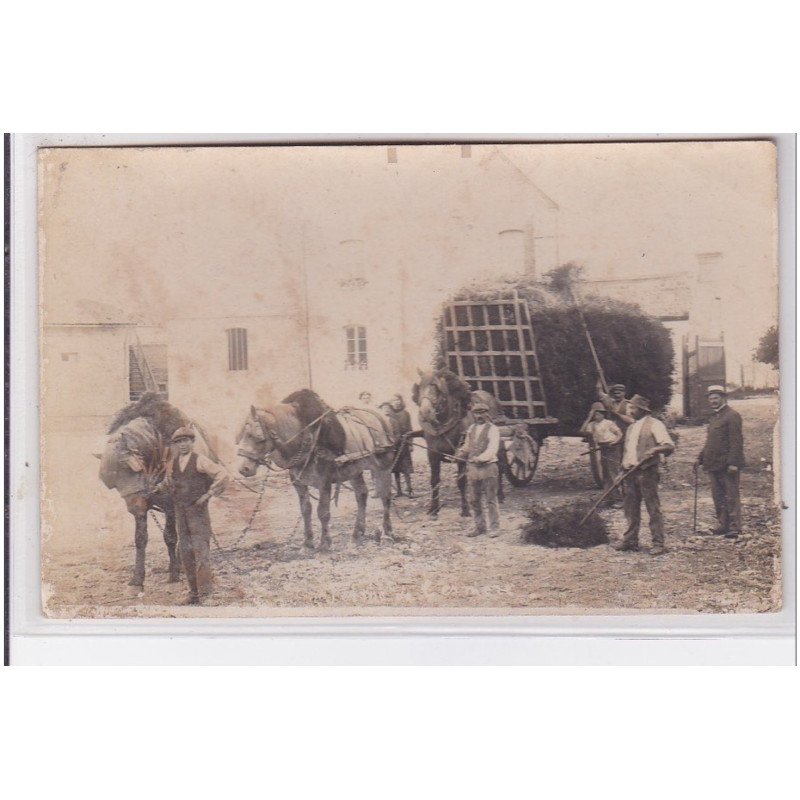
(727, 503)
(482, 487)
(194, 540)
(643, 485)
(611, 460)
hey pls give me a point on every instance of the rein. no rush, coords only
(266, 461)
(441, 429)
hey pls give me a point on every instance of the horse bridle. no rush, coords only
(453, 418)
(268, 433)
(265, 434)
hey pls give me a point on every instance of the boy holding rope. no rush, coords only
(193, 479)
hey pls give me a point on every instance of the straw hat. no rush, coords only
(716, 389)
(642, 403)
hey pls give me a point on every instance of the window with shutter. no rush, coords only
(237, 349)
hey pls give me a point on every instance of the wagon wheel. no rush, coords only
(520, 473)
(596, 463)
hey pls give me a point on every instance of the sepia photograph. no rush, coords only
(409, 380)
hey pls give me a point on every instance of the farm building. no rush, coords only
(327, 272)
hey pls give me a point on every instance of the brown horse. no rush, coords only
(321, 447)
(444, 412)
(133, 461)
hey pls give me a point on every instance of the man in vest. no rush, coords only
(193, 479)
(722, 458)
(480, 452)
(645, 440)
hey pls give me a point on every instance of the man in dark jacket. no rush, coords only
(402, 464)
(723, 458)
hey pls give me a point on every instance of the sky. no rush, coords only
(155, 231)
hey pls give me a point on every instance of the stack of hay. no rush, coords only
(633, 348)
(560, 526)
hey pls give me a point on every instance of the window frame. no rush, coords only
(356, 356)
(238, 360)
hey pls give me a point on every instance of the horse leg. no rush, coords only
(435, 463)
(383, 482)
(324, 514)
(361, 492)
(305, 510)
(171, 540)
(137, 505)
(501, 495)
(462, 489)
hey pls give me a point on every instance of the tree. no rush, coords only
(767, 351)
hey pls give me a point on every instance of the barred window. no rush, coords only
(237, 348)
(356, 342)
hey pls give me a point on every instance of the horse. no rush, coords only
(133, 462)
(321, 447)
(444, 401)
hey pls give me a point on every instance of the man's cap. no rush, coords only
(182, 433)
(716, 389)
(637, 401)
(617, 386)
(598, 407)
(479, 407)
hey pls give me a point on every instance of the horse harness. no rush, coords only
(308, 445)
(442, 429)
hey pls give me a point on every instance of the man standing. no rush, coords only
(607, 437)
(193, 479)
(480, 451)
(402, 464)
(722, 458)
(616, 404)
(645, 440)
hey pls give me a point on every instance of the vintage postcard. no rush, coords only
(450, 379)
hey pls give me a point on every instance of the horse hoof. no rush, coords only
(174, 577)
(308, 544)
(433, 512)
(465, 513)
(136, 582)
(325, 545)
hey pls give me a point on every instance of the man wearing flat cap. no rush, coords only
(645, 440)
(480, 452)
(193, 479)
(722, 458)
(616, 404)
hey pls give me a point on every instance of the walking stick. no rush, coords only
(694, 522)
(611, 488)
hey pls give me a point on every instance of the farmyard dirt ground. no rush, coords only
(434, 566)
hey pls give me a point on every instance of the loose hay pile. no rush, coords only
(560, 526)
(634, 349)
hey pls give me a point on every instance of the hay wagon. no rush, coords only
(490, 344)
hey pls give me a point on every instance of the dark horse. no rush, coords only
(321, 447)
(444, 401)
(134, 461)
